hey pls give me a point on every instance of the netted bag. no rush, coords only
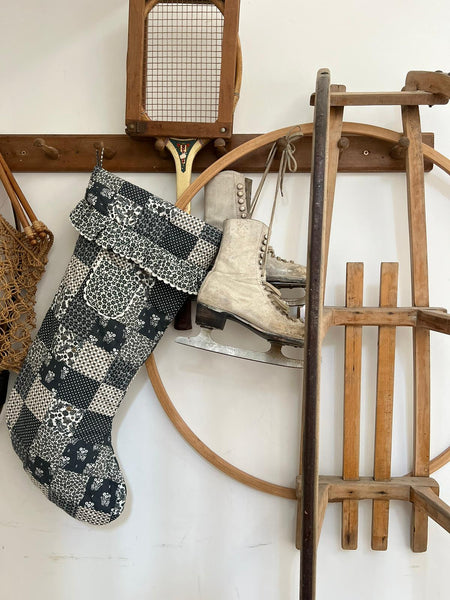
(23, 256)
(21, 267)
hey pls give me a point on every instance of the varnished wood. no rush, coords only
(352, 403)
(138, 122)
(313, 341)
(364, 154)
(184, 172)
(420, 297)
(408, 98)
(378, 132)
(405, 317)
(206, 452)
(16, 205)
(228, 68)
(322, 503)
(366, 488)
(334, 154)
(135, 60)
(426, 500)
(306, 129)
(227, 160)
(384, 405)
(437, 83)
(433, 320)
(437, 462)
(440, 461)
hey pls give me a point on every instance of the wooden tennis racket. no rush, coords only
(184, 75)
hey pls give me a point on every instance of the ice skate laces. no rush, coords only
(275, 297)
(287, 161)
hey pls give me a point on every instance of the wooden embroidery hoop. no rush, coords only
(182, 427)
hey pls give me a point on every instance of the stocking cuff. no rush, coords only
(166, 242)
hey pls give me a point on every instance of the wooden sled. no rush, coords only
(313, 492)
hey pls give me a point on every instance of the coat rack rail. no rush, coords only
(77, 153)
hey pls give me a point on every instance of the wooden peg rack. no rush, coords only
(122, 153)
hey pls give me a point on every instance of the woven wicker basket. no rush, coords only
(23, 256)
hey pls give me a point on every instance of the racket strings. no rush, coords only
(183, 61)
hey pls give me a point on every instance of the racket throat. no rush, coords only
(184, 152)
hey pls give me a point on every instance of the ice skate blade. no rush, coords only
(273, 356)
(288, 284)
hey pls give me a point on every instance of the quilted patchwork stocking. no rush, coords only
(135, 261)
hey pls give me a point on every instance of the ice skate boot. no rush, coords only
(236, 289)
(227, 196)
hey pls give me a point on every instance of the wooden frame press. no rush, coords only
(138, 120)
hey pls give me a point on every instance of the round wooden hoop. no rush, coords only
(182, 427)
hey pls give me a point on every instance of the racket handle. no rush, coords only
(183, 319)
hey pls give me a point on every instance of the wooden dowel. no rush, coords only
(21, 204)
(17, 189)
(352, 401)
(14, 201)
(384, 406)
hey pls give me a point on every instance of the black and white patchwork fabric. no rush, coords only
(135, 261)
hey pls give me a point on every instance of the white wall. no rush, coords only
(188, 531)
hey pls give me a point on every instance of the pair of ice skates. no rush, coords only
(243, 285)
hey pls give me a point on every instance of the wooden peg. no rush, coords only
(49, 151)
(108, 153)
(161, 147)
(343, 144)
(398, 151)
(220, 147)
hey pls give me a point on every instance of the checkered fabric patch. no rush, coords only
(165, 241)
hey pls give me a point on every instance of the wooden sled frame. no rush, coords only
(313, 492)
